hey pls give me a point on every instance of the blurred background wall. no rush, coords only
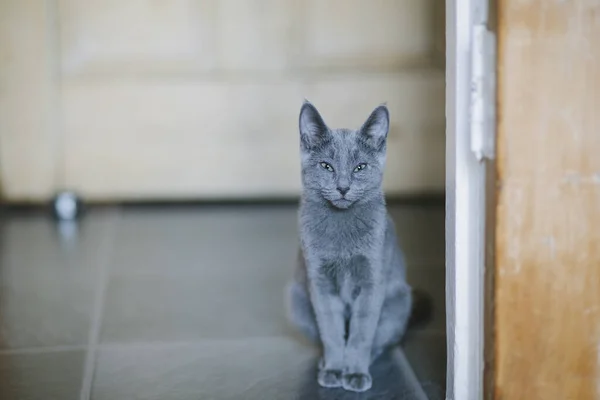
(198, 99)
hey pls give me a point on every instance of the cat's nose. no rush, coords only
(343, 190)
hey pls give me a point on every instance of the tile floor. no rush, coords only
(185, 302)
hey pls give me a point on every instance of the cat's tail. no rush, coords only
(422, 308)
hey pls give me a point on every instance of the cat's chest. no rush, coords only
(345, 278)
(341, 233)
(349, 227)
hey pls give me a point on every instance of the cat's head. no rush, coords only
(342, 166)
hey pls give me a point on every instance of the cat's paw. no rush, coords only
(330, 378)
(357, 382)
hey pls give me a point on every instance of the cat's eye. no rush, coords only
(360, 167)
(327, 166)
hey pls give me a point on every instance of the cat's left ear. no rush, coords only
(376, 128)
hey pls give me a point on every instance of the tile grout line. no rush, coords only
(106, 250)
(42, 349)
(409, 374)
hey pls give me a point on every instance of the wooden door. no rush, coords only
(146, 99)
(547, 280)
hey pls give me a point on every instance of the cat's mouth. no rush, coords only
(342, 203)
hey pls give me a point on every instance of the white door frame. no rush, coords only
(465, 195)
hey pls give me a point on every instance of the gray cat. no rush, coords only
(350, 291)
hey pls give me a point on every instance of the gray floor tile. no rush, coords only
(206, 241)
(426, 352)
(192, 274)
(41, 376)
(217, 369)
(173, 308)
(238, 369)
(48, 281)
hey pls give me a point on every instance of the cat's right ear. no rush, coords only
(313, 129)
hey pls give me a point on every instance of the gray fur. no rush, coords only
(349, 292)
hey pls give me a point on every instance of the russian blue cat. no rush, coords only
(349, 292)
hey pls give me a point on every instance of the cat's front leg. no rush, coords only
(365, 314)
(329, 313)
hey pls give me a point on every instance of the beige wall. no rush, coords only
(198, 99)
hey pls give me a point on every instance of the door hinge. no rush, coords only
(483, 93)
